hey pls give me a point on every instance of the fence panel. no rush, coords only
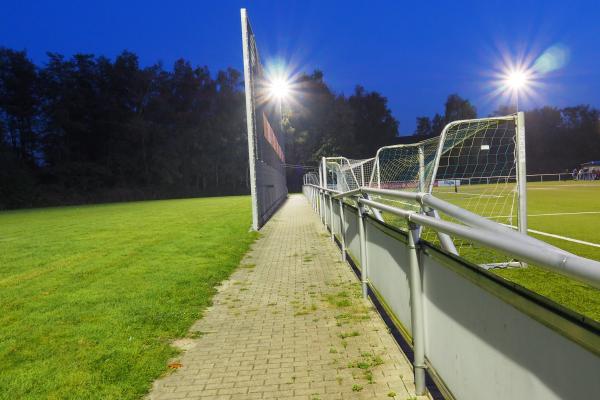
(352, 239)
(336, 218)
(482, 346)
(388, 269)
(484, 337)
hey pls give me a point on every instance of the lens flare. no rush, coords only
(516, 80)
(279, 88)
(554, 58)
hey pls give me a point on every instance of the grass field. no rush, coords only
(90, 297)
(576, 209)
(569, 209)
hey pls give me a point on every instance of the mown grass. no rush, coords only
(91, 297)
(543, 198)
(563, 197)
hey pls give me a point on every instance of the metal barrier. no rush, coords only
(557, 177)
(478, 335)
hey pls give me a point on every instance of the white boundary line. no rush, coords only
(548, 214)
(473, 194)
(560, 185)
(568, 239)
(565, 213)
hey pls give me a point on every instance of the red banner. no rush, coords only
(272, 139)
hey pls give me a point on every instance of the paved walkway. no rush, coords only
(290, 323)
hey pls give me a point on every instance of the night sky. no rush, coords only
(414, 53)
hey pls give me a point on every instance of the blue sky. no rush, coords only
(414, 53)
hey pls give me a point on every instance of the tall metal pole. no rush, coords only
(521, 173)
(250, 117)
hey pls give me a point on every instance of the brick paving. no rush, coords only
(290, 324)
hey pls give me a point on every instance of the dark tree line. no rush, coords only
(557, 140)
(560, 139)
(321, 123)
(91, 129)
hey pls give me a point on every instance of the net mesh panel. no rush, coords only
(346, 174)
(311, 178)
(476, 171)
(269, 141)
(399, 167)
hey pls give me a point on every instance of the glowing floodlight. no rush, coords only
(279, 88)
(517, 80)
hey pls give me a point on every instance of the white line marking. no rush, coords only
(548, 214)
(473, 194)
(559, 186)
(565, 213)
(568, 239)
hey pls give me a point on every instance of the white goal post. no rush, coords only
(476, 164)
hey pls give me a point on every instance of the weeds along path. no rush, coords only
(290, 323)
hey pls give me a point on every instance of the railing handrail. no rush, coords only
(481, 230)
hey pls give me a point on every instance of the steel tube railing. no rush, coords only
(486, 232)
(510, 243)
(466, 217)
(476, 229)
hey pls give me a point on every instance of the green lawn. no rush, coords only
(543, 198)
(563, 197)
(90, 297)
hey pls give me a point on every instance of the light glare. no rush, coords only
(279, 88)
(517, 80)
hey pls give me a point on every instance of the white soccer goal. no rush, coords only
(478, 165)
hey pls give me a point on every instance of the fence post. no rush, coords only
(320, 195)
(342, 229)
(362, 234)
(323, 209)
(318, 209)
(416, 293)
(331, 218)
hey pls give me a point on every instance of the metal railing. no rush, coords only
(471, 227)
(556, 177)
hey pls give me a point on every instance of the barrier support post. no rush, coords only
(331, 217)
(342, 229)
(416, 294)
(363, 250)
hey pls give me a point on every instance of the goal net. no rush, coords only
(266, 158)
(344, 174)
(472, 164)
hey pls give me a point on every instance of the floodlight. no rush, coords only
(517, 80)
(279, 88)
